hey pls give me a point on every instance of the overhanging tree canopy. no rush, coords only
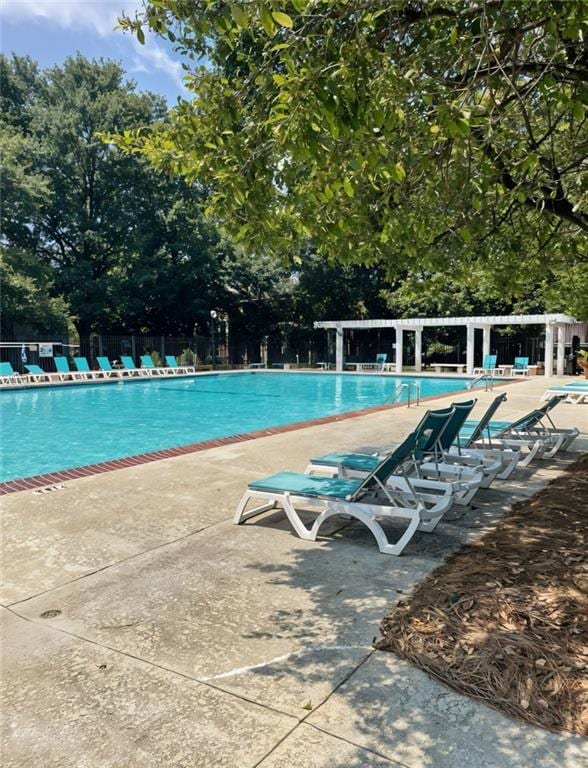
(419, 134)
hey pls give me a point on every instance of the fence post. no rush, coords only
(162, 348)
(100, 347)
(134, 349)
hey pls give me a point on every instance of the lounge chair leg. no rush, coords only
(241, 515)
(365, 513)
(510, 466)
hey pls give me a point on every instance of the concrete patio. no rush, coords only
(142, 628)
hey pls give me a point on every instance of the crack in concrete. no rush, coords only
(300, 652)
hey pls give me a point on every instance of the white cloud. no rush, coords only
(151, 57)
(100, 17)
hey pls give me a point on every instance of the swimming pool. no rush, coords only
(55, 428)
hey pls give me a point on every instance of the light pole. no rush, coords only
(213, 317)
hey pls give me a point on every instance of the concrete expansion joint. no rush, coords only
(304, 720)
(114, 564)
(152, 664)
(359, 746)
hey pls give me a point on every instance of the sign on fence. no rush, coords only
(45, 350)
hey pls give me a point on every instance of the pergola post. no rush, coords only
(548, 350)
(471, 337)
(339, 360)
(399, 346)
(418, 350)
(561, 349)
(486, 340)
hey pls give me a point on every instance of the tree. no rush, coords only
(126, 247)
(443, 135)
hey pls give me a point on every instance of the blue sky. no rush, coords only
(51, 30)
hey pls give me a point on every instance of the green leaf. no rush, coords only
(283, 19)
(398, 173)
(578, 110)
(348, 187)
(453, 36)
(267, 22)
(240, 16)
(140, 36)
(465, 234)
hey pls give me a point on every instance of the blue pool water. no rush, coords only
(54, 428)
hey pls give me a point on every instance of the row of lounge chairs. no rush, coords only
(83, 372)
(443, 462)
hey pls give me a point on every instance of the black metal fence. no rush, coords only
(298, 347)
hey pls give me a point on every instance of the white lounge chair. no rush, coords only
(364, 499)
(9, 376)
(574, 392)
(172, 363)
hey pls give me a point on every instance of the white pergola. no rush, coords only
(554, 323)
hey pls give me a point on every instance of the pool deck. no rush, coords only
(142, 628)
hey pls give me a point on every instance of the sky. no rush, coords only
(50, 30)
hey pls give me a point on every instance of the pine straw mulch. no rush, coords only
(505, 620)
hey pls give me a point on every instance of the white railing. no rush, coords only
(399, 389)
(488, 380)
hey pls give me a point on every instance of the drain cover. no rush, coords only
(50, 614)
(50, 489)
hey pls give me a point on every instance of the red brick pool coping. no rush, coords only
(61, 476)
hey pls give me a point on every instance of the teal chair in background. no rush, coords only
(520, 367)
(9, 376)
(172, 363)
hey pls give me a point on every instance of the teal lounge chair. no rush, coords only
(365, 499)
(530, 432)
(574, 392)
(148, 365)
(173, 364)
(431, 474)
(37, 374)
(64, 371)
(130, 369)
(520, 367)
(488, 366)
(82, 367)
(107, 369)
(9, 376)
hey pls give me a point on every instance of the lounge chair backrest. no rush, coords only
(171, 361)
(385, 468)
(6, 369)
(527, 421)
(429, 430)
(521, 363)
(61, 364)
(550, 404)
(104, 363)
(82, 364)
(478, 432)
(381, 358)
(455, 422)
(489, 361)
(147, 361)
(36, 370)
(128, 362)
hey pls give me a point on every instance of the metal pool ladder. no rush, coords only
(488, 380)
(407, 385)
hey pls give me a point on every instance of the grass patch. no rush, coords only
(505, 620)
